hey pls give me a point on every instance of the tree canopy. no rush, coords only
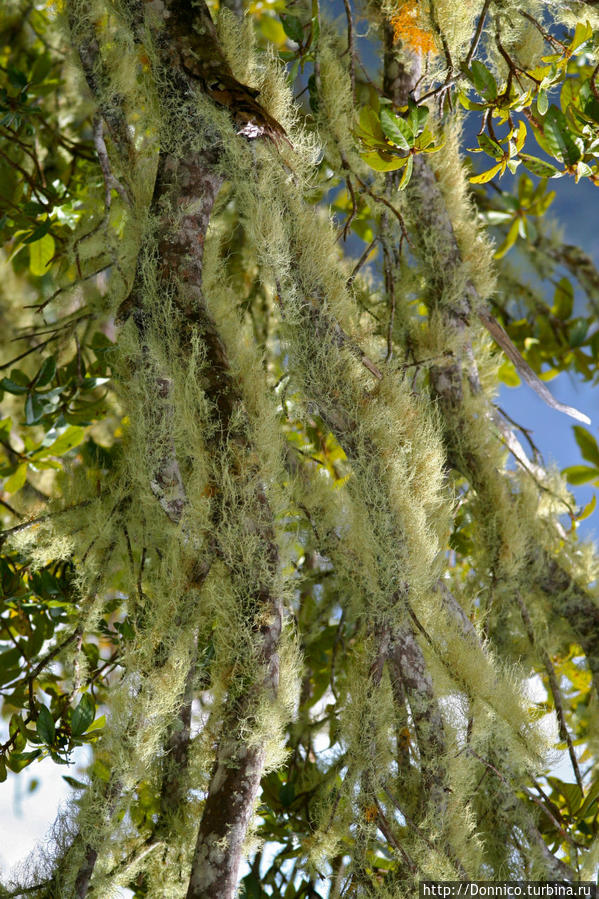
(271, 548)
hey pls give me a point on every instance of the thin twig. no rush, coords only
(140, 575)
(354, 209)
(39, 307)
(28, 352)
(527, 792)
(389, 205)
(523, 368)
(478, 33)
(110, 182)
(10, 508)
(350, 47)
(51, 654)
(361, 261)
(32, 522)
(527, 433)
(553, 808)
(389, 836)
(555, 690)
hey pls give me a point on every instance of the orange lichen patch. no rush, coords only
(370, 813)
(404, 738)
(406, 28)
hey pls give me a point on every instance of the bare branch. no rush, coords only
(477, 34)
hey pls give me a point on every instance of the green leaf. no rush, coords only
(583, 171)
(98, 724)
(587, 444)
(11, 386)
(40, 69)
(272, 30)
(34, 409)
(520, 137)
(578, 332)
(580, 474)
(539, 167)
(39, 232)
(563, 299)
(92, 383)
(406, 174)
(74, 783)
(250, 888)
(293, 28)
(396, 129)
(558, 137)
(83, 715)
(14, 483)
(542, 102)
(287, 794)
(486, 176)
(571, 793)
(582, 34)
(46, 372)
(510, 240)
(19, 760)
(490, 146)
(383, 162)
(70, 438)
(417, 116)
(3, 774)
(483, 80)
(5, 428)
(497, 217)
(45, 726)
(17, 78)
(40, 254)
(371, 126)
(469, 104)
(588, 509)
(589, 799)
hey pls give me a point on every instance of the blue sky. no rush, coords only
(576, 209)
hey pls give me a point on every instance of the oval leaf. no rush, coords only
(539, 167)
(45, 726)
(483, 80)
(396, 130)
(83, 715)
(40, 254)
(587, 444)
(486, 176)
(580, 474)
(14, 483)
(558, 137)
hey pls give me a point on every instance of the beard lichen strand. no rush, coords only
(239, 764)
(523, 551)
(455, 292)
(339, 392)
(315, 336)
(238, 767)
(308, 357)
(227, 430)
(429, 216)
(452, 381)
(460, 666)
